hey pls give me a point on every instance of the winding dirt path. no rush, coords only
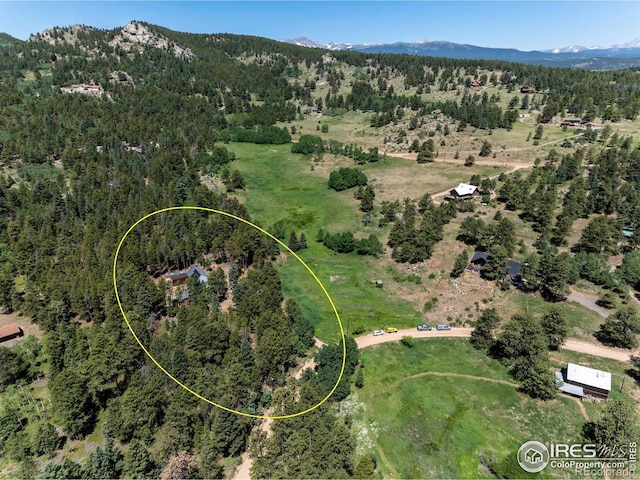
(244, 469)
(413, 156)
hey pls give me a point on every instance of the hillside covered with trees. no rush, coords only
(99, 128)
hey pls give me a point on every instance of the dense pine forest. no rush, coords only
(79, 168)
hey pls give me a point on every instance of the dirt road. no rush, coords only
(370, 340)
(571, 344)
(449, 155)
(588, 301)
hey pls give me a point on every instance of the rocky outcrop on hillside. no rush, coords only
(57, 35)
(135, 33)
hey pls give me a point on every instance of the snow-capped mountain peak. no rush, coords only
(635, 43)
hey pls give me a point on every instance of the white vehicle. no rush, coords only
(377, 332)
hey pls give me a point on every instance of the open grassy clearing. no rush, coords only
(397, 178)
(281, 187)
(432, 410)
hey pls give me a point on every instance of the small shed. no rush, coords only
(11, 331)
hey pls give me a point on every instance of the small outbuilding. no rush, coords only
(568, 388)
(11, 331)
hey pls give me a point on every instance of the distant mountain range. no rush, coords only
(574, 56)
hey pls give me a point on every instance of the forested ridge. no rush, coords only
(79, 169)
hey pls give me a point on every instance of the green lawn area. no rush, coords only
(436, 410)
(583, 322)
(281, 186)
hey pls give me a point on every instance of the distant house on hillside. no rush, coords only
(85, 88)
(477, 262)
(9, 332)
(571, 121)
(480, 259)
(527, 89)
(193, 271)
(464, 191)
(583, 381)
(476, 83)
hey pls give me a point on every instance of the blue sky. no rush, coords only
(523, 25)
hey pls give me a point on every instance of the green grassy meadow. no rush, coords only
(444, 410)
(281, 186)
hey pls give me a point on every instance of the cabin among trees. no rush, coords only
(9, 332)
(181, 296)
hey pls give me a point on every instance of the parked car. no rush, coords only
(424, 327)
(392, 329)
(377, 332)
(442, 326)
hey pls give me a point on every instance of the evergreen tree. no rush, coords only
(496, 267)
(555, 326)
(293, 241)
(621, 329)
(461, 262)
(482, 337)
(618, 424)
(302, 242)
(367, 199)
(137, 462)
(485, 150)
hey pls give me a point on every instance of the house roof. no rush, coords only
(9, 330)
(588, 376)
(568, 388)
(572, 119)
(480, 256)
(513, 267)
(192, 271)
(465, 189)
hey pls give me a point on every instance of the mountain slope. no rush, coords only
(6, 39)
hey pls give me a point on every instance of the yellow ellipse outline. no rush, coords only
(187, 207)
